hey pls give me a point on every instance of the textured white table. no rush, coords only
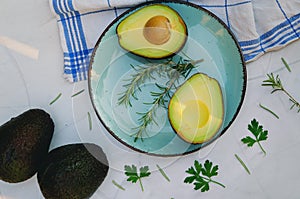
(31, 67)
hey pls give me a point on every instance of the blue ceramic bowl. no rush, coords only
(208, 39)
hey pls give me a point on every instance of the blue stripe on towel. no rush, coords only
(64, 25)
(108, 3)
(78, 52)
(222, 6)
(76, 59)
(278, 36)
(284, 14)
(227, 15)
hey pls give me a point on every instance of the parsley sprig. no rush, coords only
(134, 176)
(201, 175)
(259, 135)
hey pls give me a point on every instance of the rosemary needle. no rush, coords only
(55, 99)
(163, 173)
(286, 64)
(270, 111)
(117, 185)
(79, 92)
(242, 163)
(90, 121)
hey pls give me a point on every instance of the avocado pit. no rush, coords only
(157, 30)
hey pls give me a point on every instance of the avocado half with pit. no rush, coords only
(154, 31)
(196, 109)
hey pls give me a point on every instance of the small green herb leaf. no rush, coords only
(134, 176)
(163, 173)
(192, 171)
(144, 172)
(201, 175)
(118, 185)
(90, 121)
(209, 170)
(201, 184)
(198, 167)
(78, 93)
(258, 132)
(249, 141)
(242, 163)
(269, 110)
(55, 99)
(131, 172)
(254, 127)
(189, 179)
(286, 64)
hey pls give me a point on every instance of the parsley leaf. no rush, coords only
(209, 170)
(200, 175)
(133, 176)
(259, 133)
(249, 141)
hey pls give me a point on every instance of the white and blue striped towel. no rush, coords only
(259, 26)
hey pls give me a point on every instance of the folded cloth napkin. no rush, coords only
(258, 25)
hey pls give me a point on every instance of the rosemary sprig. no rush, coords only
(276, 84)
(158, 101)
(174, 70)
(142, 73)
(146, 72)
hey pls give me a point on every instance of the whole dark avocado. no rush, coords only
(73, 171)
(24, 143)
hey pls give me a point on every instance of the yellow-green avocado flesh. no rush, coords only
(154, 31)
(196, 109)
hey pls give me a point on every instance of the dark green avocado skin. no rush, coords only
(73, 171)
(24, 143)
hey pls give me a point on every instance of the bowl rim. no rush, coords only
(140, 5)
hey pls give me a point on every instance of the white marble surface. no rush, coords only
(31, 68)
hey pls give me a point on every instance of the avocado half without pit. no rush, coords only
(196, 109)
(154, 31)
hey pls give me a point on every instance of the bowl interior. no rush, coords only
(208, 39)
